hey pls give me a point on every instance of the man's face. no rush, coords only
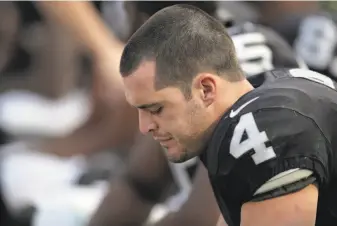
(179, 124)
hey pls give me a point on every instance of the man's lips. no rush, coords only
(163, 141)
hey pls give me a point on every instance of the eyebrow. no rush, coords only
(147, 106)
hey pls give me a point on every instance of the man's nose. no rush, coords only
(146, 123)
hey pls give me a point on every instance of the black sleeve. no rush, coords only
(292, 141)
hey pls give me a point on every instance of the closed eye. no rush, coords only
(154, 108)
(156, 111)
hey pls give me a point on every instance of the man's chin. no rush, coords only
(177, 156)
(176, 159)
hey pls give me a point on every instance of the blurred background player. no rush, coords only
(43, 96)
(310, 27)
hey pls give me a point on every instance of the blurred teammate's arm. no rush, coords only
(106, 126)
(84, 22)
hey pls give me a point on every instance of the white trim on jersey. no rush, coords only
(284, 178)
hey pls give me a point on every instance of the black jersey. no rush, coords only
(261, 49)
(287, 124)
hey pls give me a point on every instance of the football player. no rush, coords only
(268, 152)
(260, 49)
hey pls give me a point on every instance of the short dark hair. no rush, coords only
(183, 41)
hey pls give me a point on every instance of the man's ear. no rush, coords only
(205, 84)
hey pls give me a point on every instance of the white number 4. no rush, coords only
(255, 140)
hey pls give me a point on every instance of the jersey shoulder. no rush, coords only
(295, 90)
(273, 75)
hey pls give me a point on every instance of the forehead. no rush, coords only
(142, 77)
(140, 86)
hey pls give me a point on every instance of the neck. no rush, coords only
(226, 100)
(231, 94)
